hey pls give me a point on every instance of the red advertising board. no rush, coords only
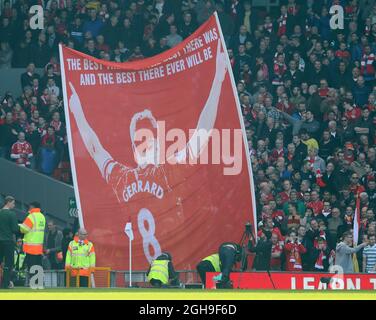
(187, 209)
(296, 281)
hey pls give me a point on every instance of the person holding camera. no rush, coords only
(263, 250)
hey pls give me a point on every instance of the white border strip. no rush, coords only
(69, 135)
(229, 68)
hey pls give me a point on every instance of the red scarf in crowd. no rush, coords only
(282, 25)
(320, 260)
(295, 258)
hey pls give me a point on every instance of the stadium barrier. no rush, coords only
(104, 277)
(120, 279)
(277, 280)
(101, 278)
(54, 278)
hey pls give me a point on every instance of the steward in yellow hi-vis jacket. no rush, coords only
(80, 260)
(208, 264)
(33, 229)
(161, 271)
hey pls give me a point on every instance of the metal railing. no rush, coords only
(120, 278)
(106, 278)
(54, 279)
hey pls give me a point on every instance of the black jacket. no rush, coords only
(330, 182)
(263, 251)
(326, 149)
(307, 243)
(7, 138)
(8, 225)
(296, 78)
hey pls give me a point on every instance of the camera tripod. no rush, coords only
(246, 237)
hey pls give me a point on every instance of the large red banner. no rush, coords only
(159, 143)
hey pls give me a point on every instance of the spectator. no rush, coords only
(6, 54)
(320, 256)
(8, 229)
(93, 24)
(327, 145)
(293, 219)
(345, 251)
(173, 38)
(367, 64)
(314, 232)
(8, 133)
(369, 255)
(293, 251)
(329, 178)
(67, 238)
(361, 92)
(263, 250)
(21, 151)
(363, 126)
(298, 203)
(28, 76)
(303, 239)
(268, 227)
(311, 124)
(53, 247)
(40, 51)
(48, 153)
(91, 49)
(334, 223)
(276, 253)
(52, 88)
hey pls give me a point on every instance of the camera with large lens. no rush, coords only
(248, 228)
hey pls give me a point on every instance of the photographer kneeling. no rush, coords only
(229, 254)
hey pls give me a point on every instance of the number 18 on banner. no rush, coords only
(129, 232)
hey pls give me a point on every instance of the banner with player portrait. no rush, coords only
(160, 143)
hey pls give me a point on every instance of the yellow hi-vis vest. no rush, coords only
(33, 227)
(19, 259)
(80, 257)
(159, 271)
(214, 260)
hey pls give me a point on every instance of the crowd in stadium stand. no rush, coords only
(307, 93)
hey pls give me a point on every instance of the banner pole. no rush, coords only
(238, 107)
(129, 232)
(69, 137)
(130, 263)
